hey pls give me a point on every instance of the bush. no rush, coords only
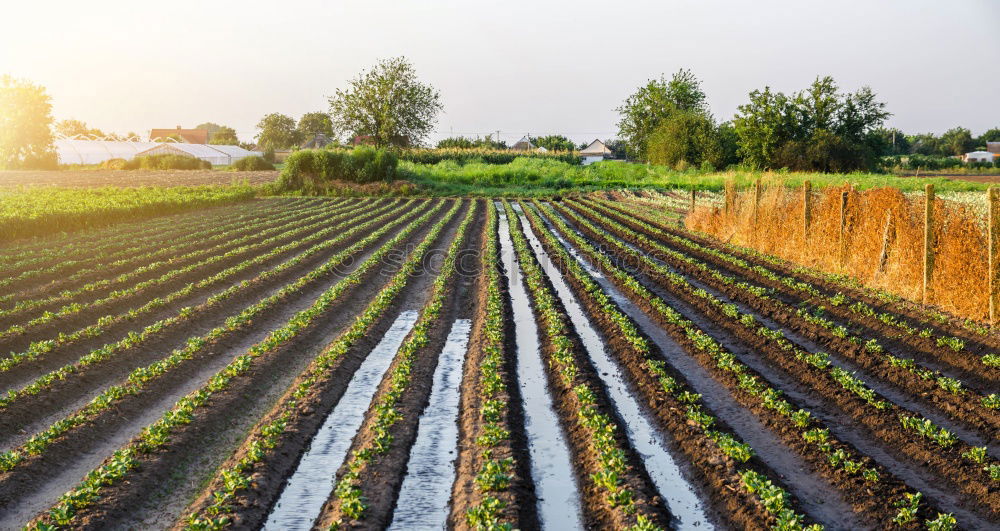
(474, 155)
(251, 164)
(269, 155)
(167, 162)
(314, 170)
(114, 164)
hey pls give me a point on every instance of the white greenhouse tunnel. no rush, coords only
(73, 151)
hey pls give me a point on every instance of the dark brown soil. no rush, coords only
(880, 426)
(35, 412)
(519, 497)
(597, 511)
(382, 477)
(198, 448)
(132, 254)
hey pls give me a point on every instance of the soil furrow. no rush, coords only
(173, 475)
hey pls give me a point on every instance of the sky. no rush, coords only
(518, 67)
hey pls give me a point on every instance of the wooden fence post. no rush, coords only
(843, 228)
(806, 208)
(726, 186)
(928, 242)
(692, 197)
(756, 201)
(994, 252)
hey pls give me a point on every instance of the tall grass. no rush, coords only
(960, 271)
(540, 176)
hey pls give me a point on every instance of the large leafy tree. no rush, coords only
(224, 136)
(554, 143)
(991, 135)
(315, 123)
(956, 141)
(685, 136)
(387, 105)
(277, 131)
(644, 110)
(819, 129)
(25, 125)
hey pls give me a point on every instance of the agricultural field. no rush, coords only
(98, 178)
(574, 362)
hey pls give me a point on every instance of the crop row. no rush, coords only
(670, 389)
(266, 437)
(142, 377)
(349, 490)
(136, 339)
(797, 426)
(964, 403)
(926, 337)
(302, 227)
(77, 249)
(157, 436)
(493, 478)
(817, 362)
(727, 362)
(608, 466)
(202, 241)
(136, 250)
(40, 347)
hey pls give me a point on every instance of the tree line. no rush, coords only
(820, 128)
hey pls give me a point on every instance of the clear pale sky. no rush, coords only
(538, 67)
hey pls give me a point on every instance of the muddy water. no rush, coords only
(551, 468)
(678, 493)
(820, 500)
(312, 482)
(423, 498)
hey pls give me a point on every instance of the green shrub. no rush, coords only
(314, 170)
(480, 155)
(251, 164)
(114, 164)
(167, 162)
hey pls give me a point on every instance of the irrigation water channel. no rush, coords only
(426, 490)
(676, 490)
(813, 494)
(313, 480)
(551, 467)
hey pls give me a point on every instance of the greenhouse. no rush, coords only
(73, 151)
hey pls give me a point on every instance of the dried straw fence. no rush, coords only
(879, 236)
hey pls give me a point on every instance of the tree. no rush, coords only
(894, 142)
(315, 123)
(277, 131)
(223, 136)
(387, 104)
(643, 111)
(818, 129)
(924, 144)
(461, 142)
(211, 127)
(956, 141)
(687, 137)
(25, 125)
(553, 143)
(71, 128)
(992, 135)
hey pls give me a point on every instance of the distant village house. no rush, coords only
(596, 151)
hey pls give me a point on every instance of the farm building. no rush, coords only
(187, 136)
(216, 155)
(978, 156)
(523, 145)
(318, 141)
(596, 151)
(993, 147)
